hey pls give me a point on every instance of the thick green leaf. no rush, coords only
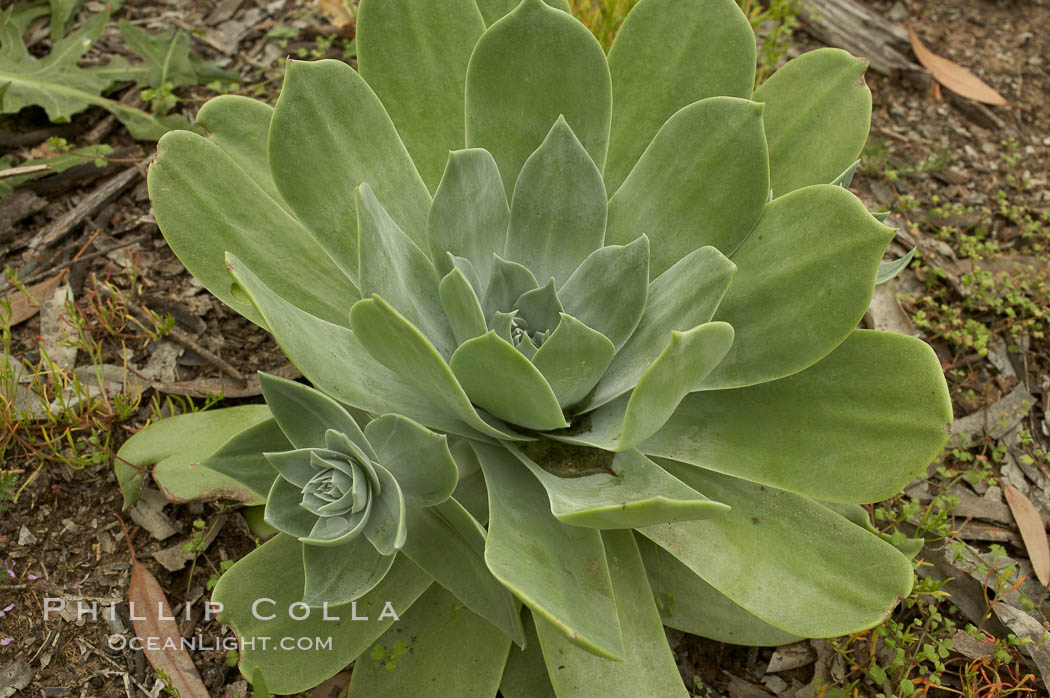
(275, 571)
(509, 281)
(240, 126)
(462, 307)
(449, 544)
(786, 559)
(704, 180)
(649, 667)
(684, 296)
(176, 445)
(636, 492)
(393, 267)
(520, 396)
(470, 214)
(414, 55)
(525, 675)
(283, 512)
(396, 344)
(306, 414)
(449, 651)
(329, 134)
(691, 605)
(607, 292)
(527, 70)
(668, 54)
(818, 112)
(493, 10)
(241, 457)
(339, 575)
(805, 281)
(335, 361)
(558, 212)
(539, 308)
(558, 571)
(418, 458)
(889, 270)
(386, 527)
(573, 359)
(678, 371)
(206, 205)
(876, 412)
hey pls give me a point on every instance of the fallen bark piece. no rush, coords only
(1030, 524)
(972, 647)
(846, 24)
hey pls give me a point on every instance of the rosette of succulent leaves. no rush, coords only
(582, 335)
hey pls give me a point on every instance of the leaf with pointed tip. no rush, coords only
(649, 667)
(453, 653)
(558, 571)
(540, 308)
(336, 576)
(805, 281)
(846, 178)
(206, 205)
(573, 360)
(668, 54)
(525, 675)
(274, 571)
(414, 55)
(641, 493)
(175, 445)
(876, 412)
(684, 296)
(494, 10)
(535, 65)
(520, 395)
(678, 371)
(558, 212)
(294, 466)
(608, 291)
(386, 526)
(305, 414)
(470, 214)
(448, 543)
(462, 307)
(396, 344)
(241, 457)
(690, 604)
(764, 555)
(418, 458)
(818, 112)
(393, 267)
(328, 120)
(889, 270)
(509, 281)
(688, 191)
(240, 126)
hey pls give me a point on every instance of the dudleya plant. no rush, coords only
(597, 315)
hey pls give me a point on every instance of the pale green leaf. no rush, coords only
(635, 492)
(521, 396)
(418, 458)
(805, 281)
(167, 54)
(535, 65)
(668, 54)
(240, 126)
(461, 306)
(207, 205)
(449, 544)
(876, 412)
(648, 668)
(306, 414)
(786, 559)
(330, 133)
(525, 675)
(558, 571)
(509, 281)
(704, 180)
(470, 214)
(573, 359)
(283, 512)
(889, 270)
(818, 112)
(493, 10)
(241, 457)
(339, 575)
(62, 13)
(386, 526)
(558, 212)
(539, 308)
(414, 54)
(275, 571)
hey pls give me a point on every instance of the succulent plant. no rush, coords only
(607, 303)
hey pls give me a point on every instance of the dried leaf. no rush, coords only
(25, 306)
(156, 626)
(1032, 531)
(337, 12)
(953, 76)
